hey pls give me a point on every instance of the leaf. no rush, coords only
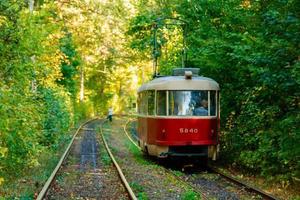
(1, 180)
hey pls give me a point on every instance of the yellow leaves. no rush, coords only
(230, 121)
(246, 4)
(3, 151)
(54, 38)
(1, 180)
(215, 20)
(49, 70)
(3, 20)
(41, 33)
(34, 162)
(48, 63)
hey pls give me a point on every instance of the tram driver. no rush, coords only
(202, 110)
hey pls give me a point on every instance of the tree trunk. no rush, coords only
(31, 5)
(81, 98)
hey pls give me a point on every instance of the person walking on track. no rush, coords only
(110, 114)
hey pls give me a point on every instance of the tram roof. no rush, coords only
(180, 83)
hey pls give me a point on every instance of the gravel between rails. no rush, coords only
(147, 179)
(87, 173)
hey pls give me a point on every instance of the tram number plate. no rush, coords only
(188, 130)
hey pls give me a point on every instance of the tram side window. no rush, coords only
(213, 103)
(161, 108)
(144, 103)
(218, 103)
(139, 101)
(151, 96)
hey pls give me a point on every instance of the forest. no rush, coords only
(64, 61)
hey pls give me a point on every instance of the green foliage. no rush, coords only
(139, 190)
(57, 119)
(168, 39)
(252, 49)
(83, 110)
(105, 158)
(20, 127)
(141, 30)
(69, 67)
(137, 154)
(189, 195)
(177, 173)
(35, 111)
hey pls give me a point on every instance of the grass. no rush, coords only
(31, 180)
(177, 173)
(131, 147)
(105, 158)
(139, 190)
(142, 196)
(137, 154)
(190, 195)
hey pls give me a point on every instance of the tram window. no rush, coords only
(180, 103)
(188, 103)
(213, 103)
(161, 98)
(151, 102)
(218, 103)
(139, 102)
(144, 103)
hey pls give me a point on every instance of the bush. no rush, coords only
(57, 115)
(20, 128)
(30, 124)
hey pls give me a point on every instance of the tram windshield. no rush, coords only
(192, 103)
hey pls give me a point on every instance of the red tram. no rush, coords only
(179, 115)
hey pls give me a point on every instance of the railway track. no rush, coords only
(244, 184)
(89, 176)
(126, 184)
(149, 180)
(212, 169)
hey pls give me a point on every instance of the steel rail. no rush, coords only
(123, 178)
(247, 186)
(52, 176)
(197, 190)
(125, 131)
